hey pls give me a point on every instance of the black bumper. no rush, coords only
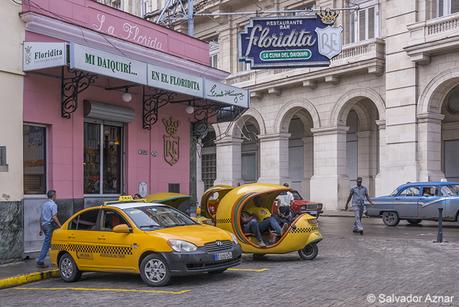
(201, 261)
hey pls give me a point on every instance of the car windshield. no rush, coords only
(296, 195)
(454, 188)
(156, 217)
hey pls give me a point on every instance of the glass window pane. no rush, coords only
(111, 219)
(454, 6)
(249, 167)
(362, 25)
(371, 22)
(34, 159)
(440, 8)
(112, 160)
(91, 158)
(87, 220)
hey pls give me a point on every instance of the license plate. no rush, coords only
(223, 256)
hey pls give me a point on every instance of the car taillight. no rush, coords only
(313, 221)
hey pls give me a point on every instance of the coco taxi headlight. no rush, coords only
(234, 238)
(182, 246)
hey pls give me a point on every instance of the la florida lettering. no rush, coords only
(114, 66)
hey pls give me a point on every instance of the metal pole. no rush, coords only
(190, 18)
(440, 226)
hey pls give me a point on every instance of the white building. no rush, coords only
(387, 109)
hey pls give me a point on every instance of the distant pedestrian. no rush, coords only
(48, 222)
(358, 195)
(285, 198)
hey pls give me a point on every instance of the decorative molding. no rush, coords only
(71, 87)
(152, 102)
(329, 130)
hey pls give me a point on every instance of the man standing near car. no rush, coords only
(358, 195)
(48, 222)
(285, 198)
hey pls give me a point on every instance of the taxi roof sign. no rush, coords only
(125, 198)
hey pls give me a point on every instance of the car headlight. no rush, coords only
(182, 246)
(234, 238)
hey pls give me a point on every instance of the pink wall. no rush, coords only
(109, 21)
(65, 139)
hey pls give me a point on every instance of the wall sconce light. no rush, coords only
(189, 109)
(127, 97)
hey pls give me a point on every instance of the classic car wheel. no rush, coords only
(390, 218)
(68, 269)
(155, 271)
(413, 221)
(309, 252)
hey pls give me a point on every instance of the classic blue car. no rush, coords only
(417, 201)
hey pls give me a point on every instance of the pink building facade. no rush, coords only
(94, 133)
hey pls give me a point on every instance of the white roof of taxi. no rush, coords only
(129, 205)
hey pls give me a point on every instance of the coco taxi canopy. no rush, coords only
(41, 55)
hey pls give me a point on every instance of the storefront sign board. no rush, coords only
(175, 81)
(107, 64)
(220, 92)
(39, 55)
(291, 41)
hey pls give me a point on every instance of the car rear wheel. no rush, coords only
(309, 252)
(413, 221)
(155, 271)
(390, 218)
(68, 269)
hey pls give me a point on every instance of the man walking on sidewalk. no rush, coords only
(48, 222)
(358, 195)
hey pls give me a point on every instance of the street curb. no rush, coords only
(27, 278)
(337, 214)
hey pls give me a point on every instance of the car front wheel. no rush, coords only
(309, 252)
(68, 269)
(390, 218)
(413, 221)
(155, 271)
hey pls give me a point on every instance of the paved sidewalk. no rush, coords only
(18, 273)
(337, 213)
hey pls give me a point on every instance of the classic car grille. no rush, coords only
(218, 246)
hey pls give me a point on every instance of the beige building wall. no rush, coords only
(11, 105)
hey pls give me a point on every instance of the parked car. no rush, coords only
(154, 240)
(417, 201)
(301, 205)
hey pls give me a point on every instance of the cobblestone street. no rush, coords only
(385, 261)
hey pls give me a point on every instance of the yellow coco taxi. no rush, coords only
(225, 204)
(154, 240)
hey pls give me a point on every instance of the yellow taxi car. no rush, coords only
(154, 240)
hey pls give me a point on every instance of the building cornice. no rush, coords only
(43, 25)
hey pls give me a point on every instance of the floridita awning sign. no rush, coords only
(38, 55)
(291, 41)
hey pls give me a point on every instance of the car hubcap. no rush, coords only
(307, 250)
(155, 270)
(390, 218)
(66, 268)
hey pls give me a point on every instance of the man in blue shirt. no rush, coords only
(358, 195)
(48, 222)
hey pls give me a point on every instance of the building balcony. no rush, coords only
(366, 56)
(432, 37)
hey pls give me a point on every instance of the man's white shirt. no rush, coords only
(286, 199)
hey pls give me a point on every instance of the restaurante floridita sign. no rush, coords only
(291, 41)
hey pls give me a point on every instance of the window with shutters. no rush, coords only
(363, 24)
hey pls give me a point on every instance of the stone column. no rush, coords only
(401, 96)
(429, 146)
(330, 184)
(274, 158)
(364, 157)
(228, 161)
(199, 182)
(308, 150)
(379, 179)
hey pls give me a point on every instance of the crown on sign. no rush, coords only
(328, 16)
(171, 125)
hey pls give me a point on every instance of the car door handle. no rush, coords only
(71, 237)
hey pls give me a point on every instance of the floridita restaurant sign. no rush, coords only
(43, 55)
(291, 41)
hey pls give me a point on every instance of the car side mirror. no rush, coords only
(121, 228)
